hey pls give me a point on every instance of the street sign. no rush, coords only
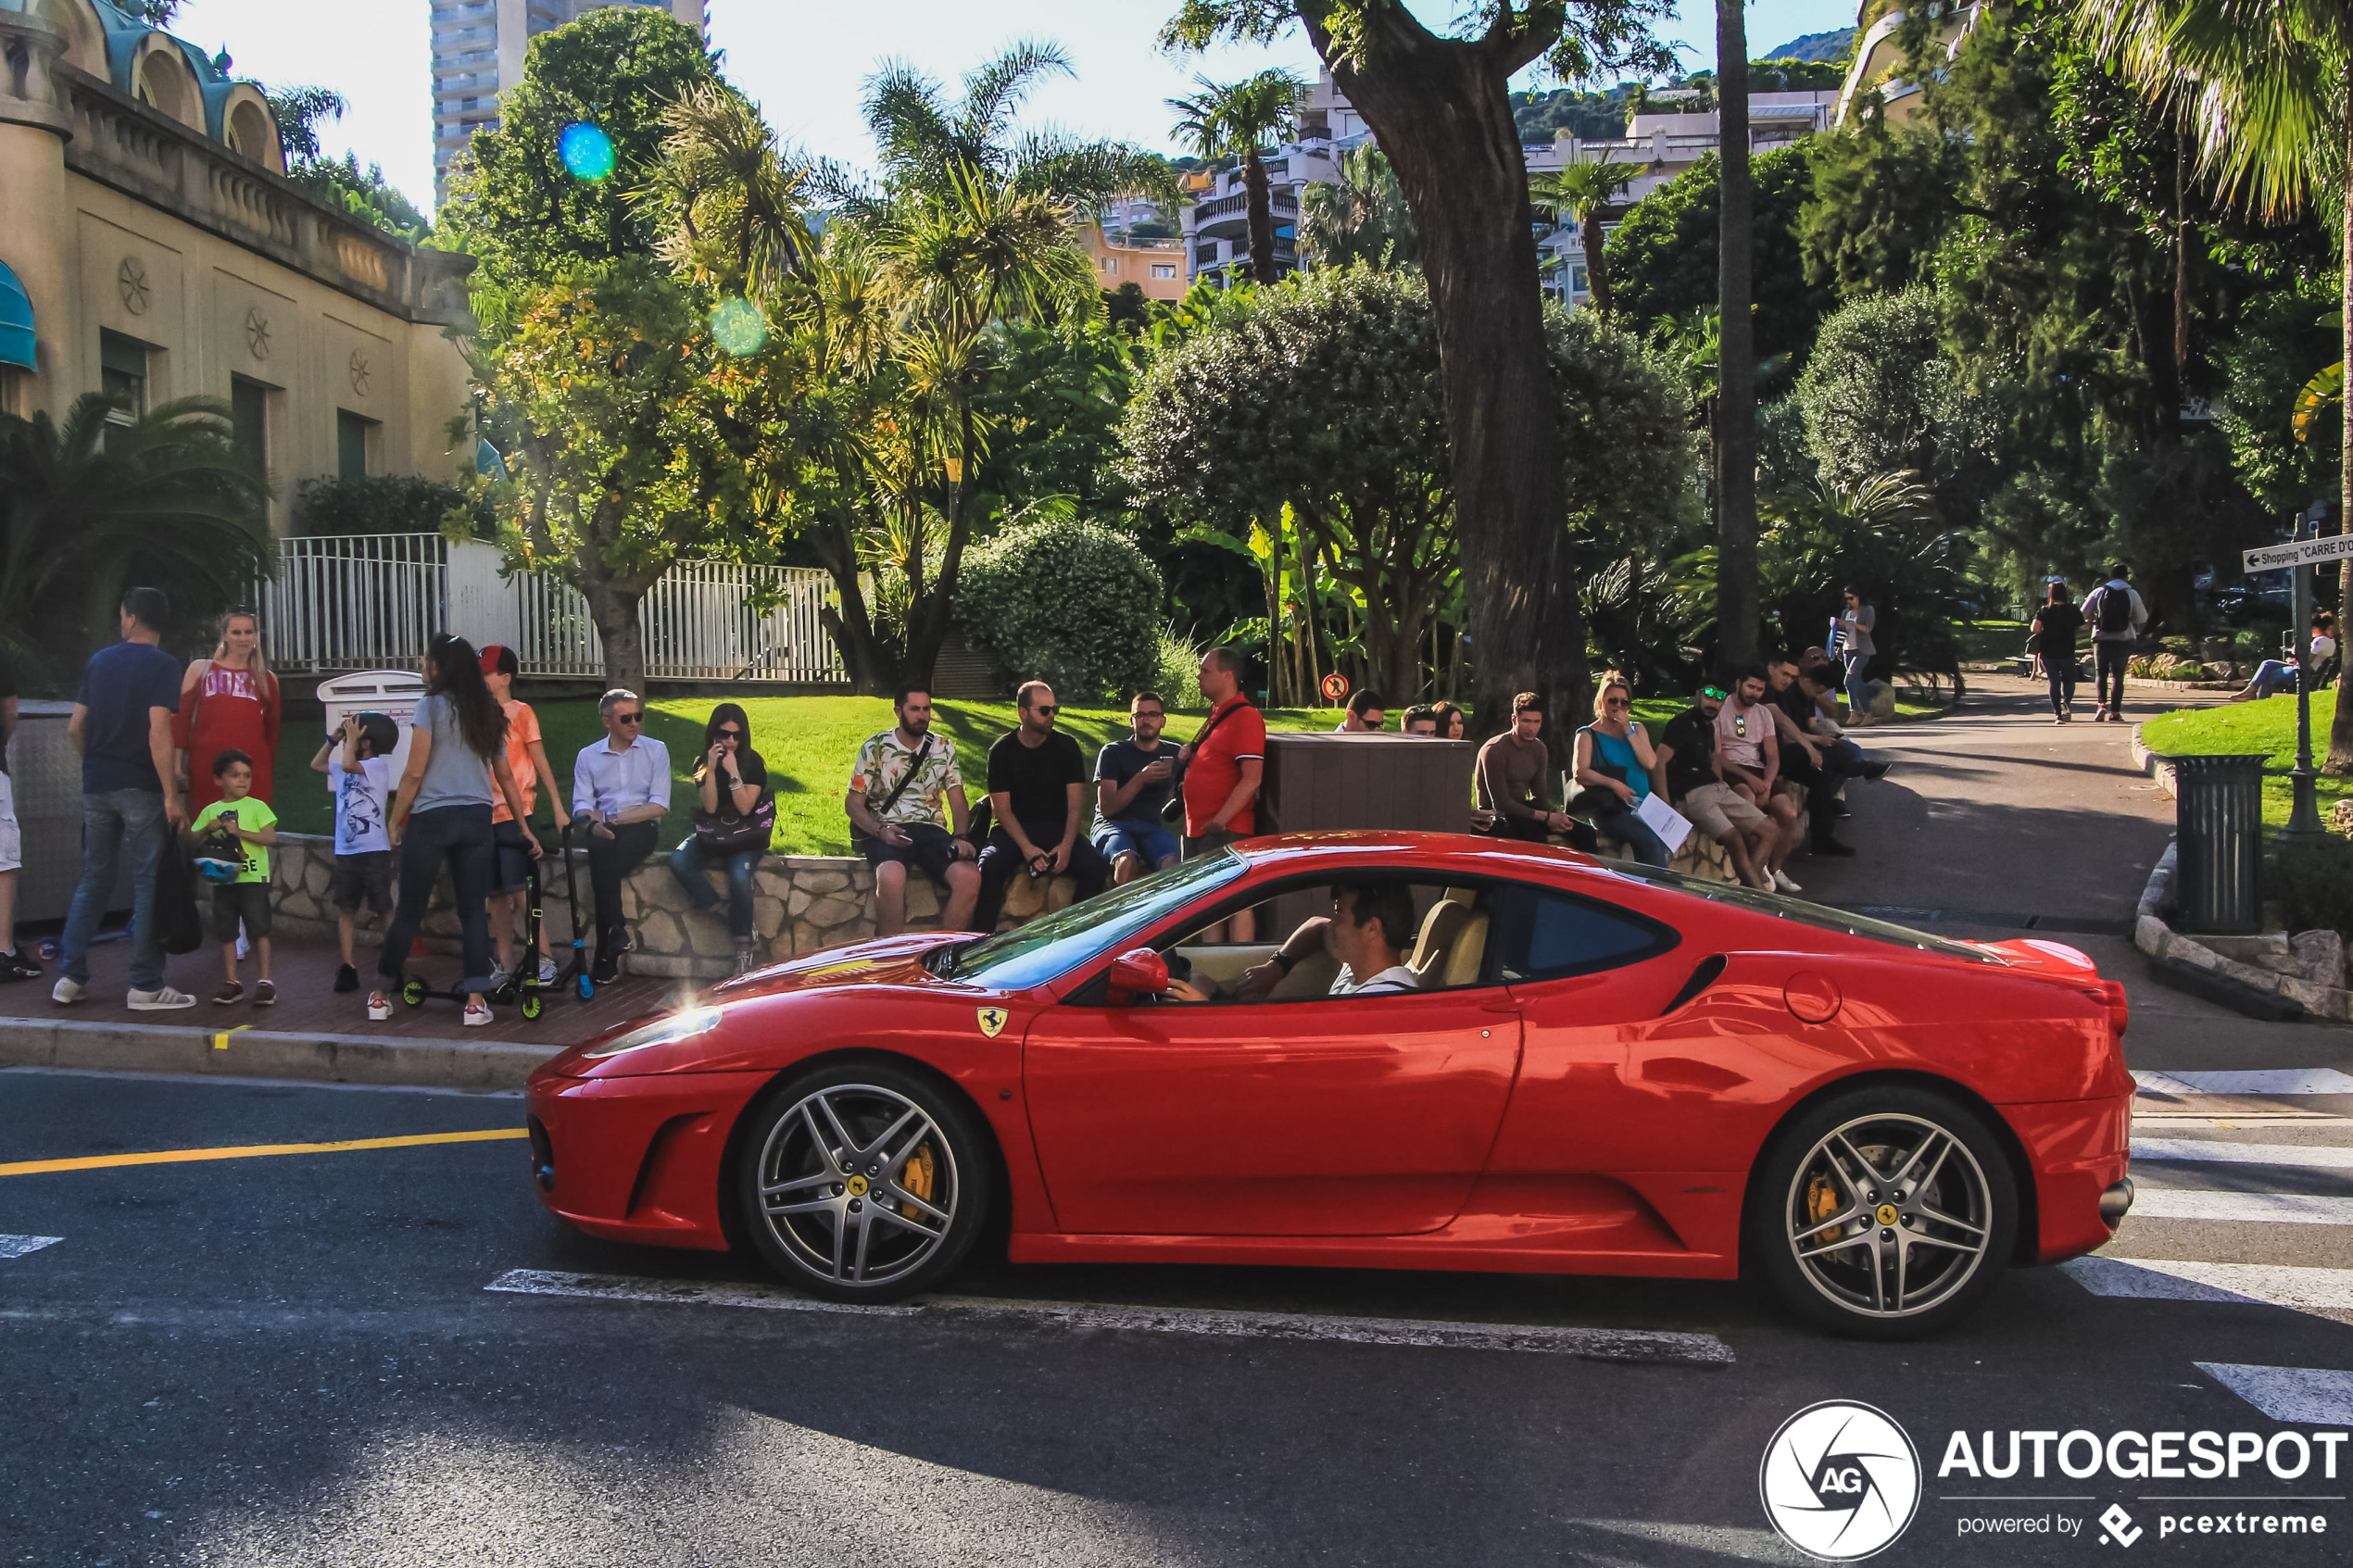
(1335, 686)
(2300, 552)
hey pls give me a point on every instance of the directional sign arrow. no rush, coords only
(2301, 552)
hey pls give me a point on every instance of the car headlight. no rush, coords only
(661, 1031)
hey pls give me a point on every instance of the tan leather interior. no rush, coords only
(1452, 941)
(1440, 928)
(1463, 959)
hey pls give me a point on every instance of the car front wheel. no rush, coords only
(1884, 1213)
(864, 1182)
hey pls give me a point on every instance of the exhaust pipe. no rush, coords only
(2116, 1202)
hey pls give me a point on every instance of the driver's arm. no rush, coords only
(1261, 979)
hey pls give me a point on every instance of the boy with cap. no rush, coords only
(358, 762)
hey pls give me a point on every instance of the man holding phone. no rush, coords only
(1037, 783)
(1134, 780)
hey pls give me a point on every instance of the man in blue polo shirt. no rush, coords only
(131, 798)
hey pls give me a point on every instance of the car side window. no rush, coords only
(1549, 935)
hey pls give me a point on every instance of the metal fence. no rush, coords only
(371, 601)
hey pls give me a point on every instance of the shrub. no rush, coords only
(1176, 673)
(1070, 603)
(2314, 883)
(387, 503)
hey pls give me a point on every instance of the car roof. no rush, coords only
(1462, 853)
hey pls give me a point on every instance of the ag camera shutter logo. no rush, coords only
(1840, 1481)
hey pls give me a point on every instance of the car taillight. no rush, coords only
(2120, 1012)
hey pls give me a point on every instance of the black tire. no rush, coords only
(809, 1207)
(1882, 1213)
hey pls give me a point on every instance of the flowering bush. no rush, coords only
(1070, 603)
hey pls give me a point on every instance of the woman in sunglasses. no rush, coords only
(734, 817)
(1616, 768)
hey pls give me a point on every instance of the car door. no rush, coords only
(1333, 1116)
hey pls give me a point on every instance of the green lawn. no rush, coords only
(808, 742)
(2268, 725)
(1979, 640)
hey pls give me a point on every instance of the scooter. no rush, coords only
(526, 990)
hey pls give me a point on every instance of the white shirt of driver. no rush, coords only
(1397, 977)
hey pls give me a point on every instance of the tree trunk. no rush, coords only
(928, 610)
(1596, 283)
(2180, 262)
(1736, 605)
(851, 625)
(1259, 203)
(612, 605)
(2340, 758)
(1440, 110)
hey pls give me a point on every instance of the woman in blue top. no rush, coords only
(1614, 766)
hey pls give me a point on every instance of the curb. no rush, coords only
(2189, 965)
(254, 1053)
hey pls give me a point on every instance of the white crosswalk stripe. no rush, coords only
(2304, 1395)
(2317, 1156)
(2253, 1285)
(17, 1246)
(2242, 1207)
(2264, 1081)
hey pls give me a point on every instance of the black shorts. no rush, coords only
(365, 877)
(932, 849)
(510, 866)
(239, 903)
(1210, 842)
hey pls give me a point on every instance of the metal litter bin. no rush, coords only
(2218, 816)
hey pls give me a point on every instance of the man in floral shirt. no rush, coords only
(901, 780)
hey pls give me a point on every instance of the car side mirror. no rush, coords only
(1141, 972)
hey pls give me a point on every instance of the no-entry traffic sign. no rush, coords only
(2300, 552)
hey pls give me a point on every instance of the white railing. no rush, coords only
(373, 601)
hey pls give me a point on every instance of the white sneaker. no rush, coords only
(1786, 882)
(500, 975)
(476, 1016)
(378, 1011)
(547, 970)
(66, 992)
(163, 999)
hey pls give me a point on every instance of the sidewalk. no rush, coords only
(1993, 818)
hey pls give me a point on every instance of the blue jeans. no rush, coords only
(1622, 823)
(461, 836)
(1147, 841)
(691, 860)
(110, 820)
(1858, 700)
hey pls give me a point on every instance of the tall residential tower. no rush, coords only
(477, 54)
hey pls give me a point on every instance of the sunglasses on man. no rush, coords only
(628, 718)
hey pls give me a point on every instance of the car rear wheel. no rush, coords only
(1884, 1213)
(864, 1182)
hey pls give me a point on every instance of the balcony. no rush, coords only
(1284, 200)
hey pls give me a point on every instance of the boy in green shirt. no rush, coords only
(237, 830)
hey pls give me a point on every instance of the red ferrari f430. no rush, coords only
(1572, 1066)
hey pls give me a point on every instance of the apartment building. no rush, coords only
(477, 54)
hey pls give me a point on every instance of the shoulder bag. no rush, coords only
(1172, 813)
(915, 766)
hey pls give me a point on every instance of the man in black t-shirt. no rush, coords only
(1687, 751)
(1037, 783)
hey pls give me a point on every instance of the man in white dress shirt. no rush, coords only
(621, 786)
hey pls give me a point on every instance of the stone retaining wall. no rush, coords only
(802, 903)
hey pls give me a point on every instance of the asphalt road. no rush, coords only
(294, 1359)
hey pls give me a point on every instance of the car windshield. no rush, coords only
(1804, 913)
(1054, 945)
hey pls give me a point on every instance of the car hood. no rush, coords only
(880, 960)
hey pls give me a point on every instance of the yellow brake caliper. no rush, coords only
(916, 1177)
(1822, 1202)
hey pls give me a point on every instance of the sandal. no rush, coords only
(265, 994)
(230, 992)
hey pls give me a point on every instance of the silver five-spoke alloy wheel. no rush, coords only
(1889, 1216)
(858, 1184)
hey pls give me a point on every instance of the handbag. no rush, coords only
(727, 832)
(178, 928)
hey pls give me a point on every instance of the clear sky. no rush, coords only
(803, 60)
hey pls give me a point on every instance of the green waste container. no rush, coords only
(2218, 820)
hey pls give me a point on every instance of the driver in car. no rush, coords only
(1369, 929)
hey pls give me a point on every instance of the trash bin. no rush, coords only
(2218, 816)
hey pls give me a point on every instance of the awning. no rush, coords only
(16, 321)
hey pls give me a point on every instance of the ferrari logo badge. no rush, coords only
(992, 1020)
(857, 1185)
(1887, 1214)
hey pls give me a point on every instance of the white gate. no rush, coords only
(373, 601)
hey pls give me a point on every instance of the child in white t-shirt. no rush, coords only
(358, 762)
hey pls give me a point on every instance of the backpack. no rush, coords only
(2116, 609)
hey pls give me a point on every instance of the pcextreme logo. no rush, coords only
(1840, 1481)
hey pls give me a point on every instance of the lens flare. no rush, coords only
(586, 151)
(738, 327)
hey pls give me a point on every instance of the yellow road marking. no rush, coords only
(252, 1151)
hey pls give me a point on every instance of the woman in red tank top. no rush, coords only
(229, 700)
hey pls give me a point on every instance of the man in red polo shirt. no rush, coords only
(1223, 767)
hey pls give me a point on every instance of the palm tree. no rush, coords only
(1738, 613)
(923, 137)
(298, 111)
(81, 503)
(1360, 219)
(1234, 120)
(2262, 90)
(1580, 194)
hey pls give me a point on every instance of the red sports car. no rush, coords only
(1571, 1066)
